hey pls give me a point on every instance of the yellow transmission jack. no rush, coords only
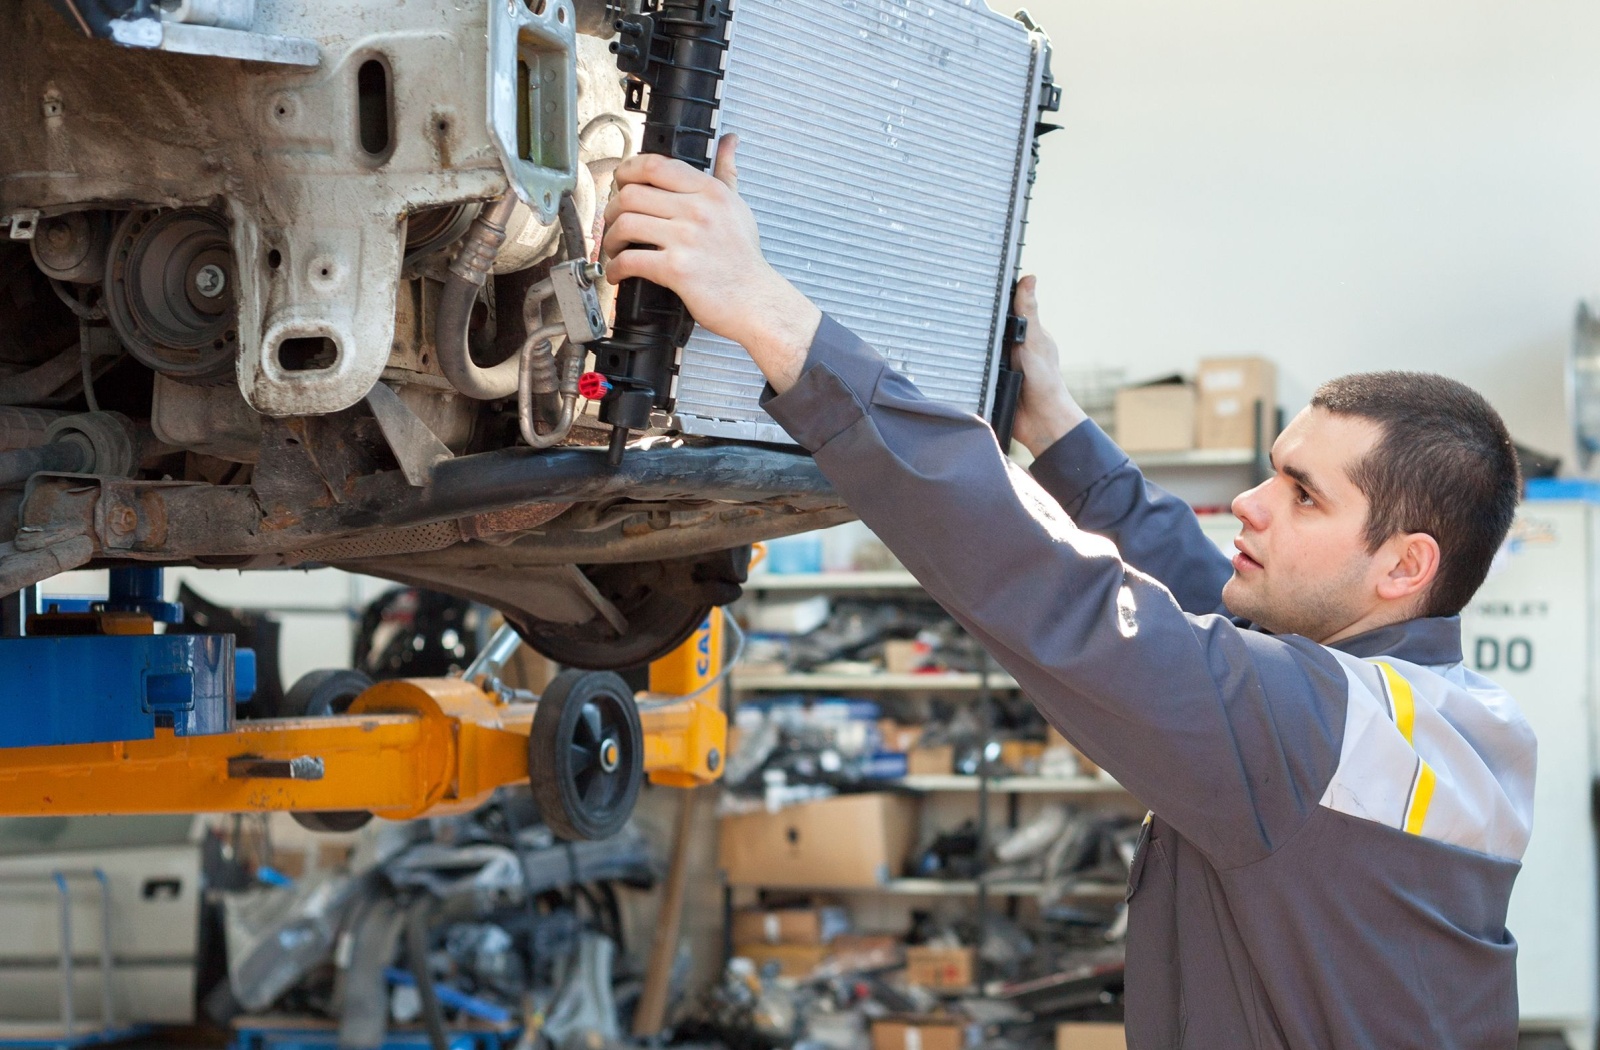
(411, 748)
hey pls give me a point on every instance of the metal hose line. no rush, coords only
(468, 272)
(41, 381)
(539, 381)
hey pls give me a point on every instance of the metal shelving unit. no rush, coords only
(886, 580)
(882, 682)
(981, 687)
(1013, 785)
(963, 888)
(1196, 457)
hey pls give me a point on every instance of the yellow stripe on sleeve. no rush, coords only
(1421, 797)
(1405, 705)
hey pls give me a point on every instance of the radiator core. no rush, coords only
(885, 148)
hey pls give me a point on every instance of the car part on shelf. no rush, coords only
(674, 52)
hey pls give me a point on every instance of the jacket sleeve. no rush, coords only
(1231, 735)
(1157, 533)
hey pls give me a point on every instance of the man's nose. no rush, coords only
(1250, 508)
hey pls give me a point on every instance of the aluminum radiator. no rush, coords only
(886, 148)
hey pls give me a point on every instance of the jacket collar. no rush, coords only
(1431, 642)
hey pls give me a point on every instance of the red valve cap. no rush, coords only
(594, 386)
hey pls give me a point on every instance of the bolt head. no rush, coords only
(210, 280)
(122, 520)
(713, 760)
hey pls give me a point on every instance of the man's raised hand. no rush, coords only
(1047, 409)
(690, 232)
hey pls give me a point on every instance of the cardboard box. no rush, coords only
(1053, 739)
(1156, 417)
(1022, 756)
(788, 925)
(1230, 388)
(795, 616)
(931, 761)
(921, 1032)
(933, 966)
(898, 737)
(854, 952)
(794, 960)
(850, 841)
(905, 656)
(1090, 1035)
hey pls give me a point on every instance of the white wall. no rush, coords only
(1342, 186)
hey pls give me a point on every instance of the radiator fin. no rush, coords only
(881, 143)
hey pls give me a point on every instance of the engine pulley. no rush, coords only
(171, 292)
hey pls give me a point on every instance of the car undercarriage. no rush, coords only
(287, 286)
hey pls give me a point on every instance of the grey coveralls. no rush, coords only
(1336, 829)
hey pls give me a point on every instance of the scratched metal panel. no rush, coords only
(883, 149)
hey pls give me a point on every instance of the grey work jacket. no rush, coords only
(1336, 829)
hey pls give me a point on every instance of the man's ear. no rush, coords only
(1416, 563)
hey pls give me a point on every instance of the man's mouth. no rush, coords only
(1242, 561)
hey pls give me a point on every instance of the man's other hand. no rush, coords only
(690, 232)
(1047, 410)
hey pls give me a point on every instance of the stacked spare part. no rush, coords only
(290, 285)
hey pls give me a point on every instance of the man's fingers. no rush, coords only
(644, 199)
(663, 172)
(726, 169)
(637, 262)
(632, 228)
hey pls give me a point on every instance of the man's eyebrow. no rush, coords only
(1302, 479)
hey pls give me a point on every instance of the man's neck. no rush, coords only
(1374, 619)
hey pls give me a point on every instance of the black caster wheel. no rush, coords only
(586, 754)
(333, 820)
(318, 694)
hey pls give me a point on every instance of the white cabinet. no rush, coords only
(1532, 629)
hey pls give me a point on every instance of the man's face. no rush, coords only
(1301, 564)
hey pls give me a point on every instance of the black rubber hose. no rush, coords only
(417, 917)
(40, 382)
(26, 427)
(20, 464)
(468, 272)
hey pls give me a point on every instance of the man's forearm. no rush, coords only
(780, 332)
(1157, 533)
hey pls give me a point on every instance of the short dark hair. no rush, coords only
(1444, 465)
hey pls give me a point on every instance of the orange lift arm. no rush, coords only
(405, 749)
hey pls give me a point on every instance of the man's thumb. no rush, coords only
(726, 169)
(1026, 302)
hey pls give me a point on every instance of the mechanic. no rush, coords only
(1339, 805)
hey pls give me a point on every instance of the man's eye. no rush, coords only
(1302, 497)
